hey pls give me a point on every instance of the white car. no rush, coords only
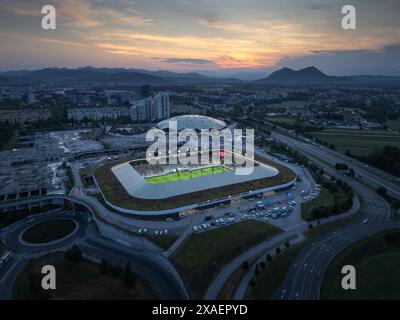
(365, 221)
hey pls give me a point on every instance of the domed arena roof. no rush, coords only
(196, 122)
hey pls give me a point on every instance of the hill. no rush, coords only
(309, 75)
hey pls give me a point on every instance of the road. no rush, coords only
(373, 176)
(241, 289)
(304, 277)
(293, 227)
(156, 269)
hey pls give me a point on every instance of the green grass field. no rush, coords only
(201, 256)
(48, 231)
(325, 198)
(115, 192)
(377, 261)
(271, 277)
(169, 177)
(359, 142)
(394, 125)
(80, 280)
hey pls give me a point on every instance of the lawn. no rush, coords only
(163, 241)
(394, 125)
(325, 198)
(83, 172)
(78, 280)
(202, 256)
(48, 231)
(358, 142)
(11, 143)
(115, 192)
(377, 262)
(169, 177)
(284, 104)
(269, 280)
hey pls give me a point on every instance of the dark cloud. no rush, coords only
(383, 61)
(185, 60)
(209, 18)
(318, 6)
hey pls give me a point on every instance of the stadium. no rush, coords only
(133, 186)
(195, 122)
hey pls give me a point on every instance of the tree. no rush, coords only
(73, 254)
(341, 166)
(105, 266)
(245, 265)
(116, 270)
(129, 276)
(262, 265)
(310, 226)
(257, 270)
(269, 258)
(287, 244)
(382, 191)
(278, 250)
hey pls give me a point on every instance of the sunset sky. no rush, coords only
(221, 37)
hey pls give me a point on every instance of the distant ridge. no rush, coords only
(95, 75)
(130, 76)
(309, 75)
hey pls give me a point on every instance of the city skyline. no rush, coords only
(217, 38)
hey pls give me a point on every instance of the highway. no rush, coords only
(373, 176)
(304, 277)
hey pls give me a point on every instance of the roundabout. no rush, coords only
(49, 232)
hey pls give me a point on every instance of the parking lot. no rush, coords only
(266, 210)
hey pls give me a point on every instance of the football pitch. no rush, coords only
(169, 177)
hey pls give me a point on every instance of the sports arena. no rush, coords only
(195, 122)
(133, 186)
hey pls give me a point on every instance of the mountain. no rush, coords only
(16, 73)
(309, 75)
(85, 75)
(90, 74)
(136, 77)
